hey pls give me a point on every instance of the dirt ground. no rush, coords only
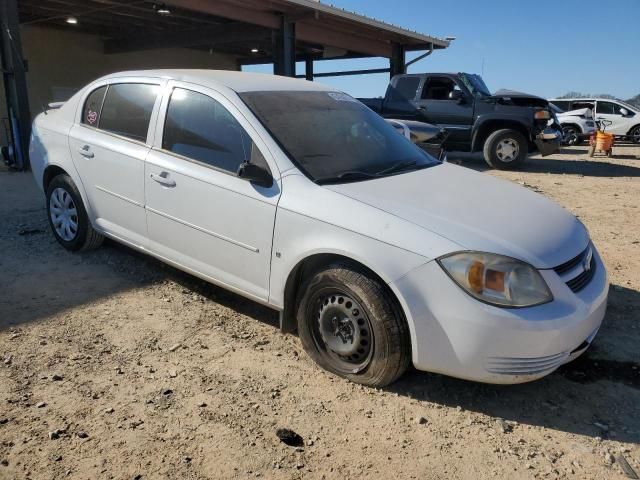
(113, 365)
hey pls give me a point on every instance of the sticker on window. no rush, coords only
(92, 117)
(342, 97)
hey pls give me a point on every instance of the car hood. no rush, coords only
(477, 212)
(520, 99)
(577, 113)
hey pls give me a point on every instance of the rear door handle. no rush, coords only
(163, 179)
(86, 152)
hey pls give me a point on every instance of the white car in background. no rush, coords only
(577, 125)
(301, 198)
(624, 118)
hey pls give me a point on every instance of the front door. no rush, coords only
(109, 147)
(200, 214)
(610, 112)
(455, 115)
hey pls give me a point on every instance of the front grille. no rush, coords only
(578, 283)
(574, 262)
(525, 366)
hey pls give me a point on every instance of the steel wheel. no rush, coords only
(507, 150)
(343, 331)
(63, 213)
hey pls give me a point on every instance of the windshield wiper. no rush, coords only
(350, 175)
(397, 167)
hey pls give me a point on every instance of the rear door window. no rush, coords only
(406, 88)
(92, 107)
(562, 104)
(200, 128)
(127, 109)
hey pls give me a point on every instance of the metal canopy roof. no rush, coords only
(235, 27)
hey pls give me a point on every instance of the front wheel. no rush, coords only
(570, 135)
(505, 149)
(67, 216)
(350, 325)
(634, 134)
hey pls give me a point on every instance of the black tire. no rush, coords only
(84, 237)
(492, 147)
(634, 134)
(372, 325)
(571, 135)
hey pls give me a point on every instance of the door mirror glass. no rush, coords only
(255, 174)
(624, 112)
(456, 95)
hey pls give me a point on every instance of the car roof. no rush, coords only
(234, 80)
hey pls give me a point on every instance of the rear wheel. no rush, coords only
(505, 149)
(67, 216)
(350, 325)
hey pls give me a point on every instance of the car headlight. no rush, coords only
(496, 279)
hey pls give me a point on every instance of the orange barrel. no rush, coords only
(604, 141)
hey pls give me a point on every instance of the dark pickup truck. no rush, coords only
(506, 126)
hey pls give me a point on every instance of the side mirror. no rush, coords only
(456, 95)
(624, 112)
(255, 174)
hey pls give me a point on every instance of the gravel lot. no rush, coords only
(114, 365)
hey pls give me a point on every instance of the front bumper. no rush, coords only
(454, 334)
(549, 141)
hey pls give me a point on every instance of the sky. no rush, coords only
(545, 47)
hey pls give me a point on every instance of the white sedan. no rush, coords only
(299, 197)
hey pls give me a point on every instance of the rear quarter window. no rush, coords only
(92, 107)
(127, 109)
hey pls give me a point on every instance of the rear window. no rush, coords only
(92, 107)
(127, 109)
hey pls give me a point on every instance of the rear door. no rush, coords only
(611, 112)
(400, 98)
(109, 144)
(454, 115)
(200, 214)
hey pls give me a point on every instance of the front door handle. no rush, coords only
(86, 152)
(163, 179)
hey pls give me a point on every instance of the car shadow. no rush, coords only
(597, 395)
(587, 168)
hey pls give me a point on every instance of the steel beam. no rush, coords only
(14, 72)
(397, 61)
(284, 49)
(345, 73)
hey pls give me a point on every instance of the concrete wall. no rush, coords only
(61, 62)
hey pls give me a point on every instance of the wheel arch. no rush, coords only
(489, 126)
(52, 170)
(637, 125)
(315, 262)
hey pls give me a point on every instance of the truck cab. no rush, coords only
(462, 104)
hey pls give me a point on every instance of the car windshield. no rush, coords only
(333, 138)
(475, 84)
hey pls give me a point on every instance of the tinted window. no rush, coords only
(438, 88)
(563, 105)
(92, 107)
(332, 137)
(127, 109)
(200, 128)
(605, 108)
(406, 88)
(582, 104)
